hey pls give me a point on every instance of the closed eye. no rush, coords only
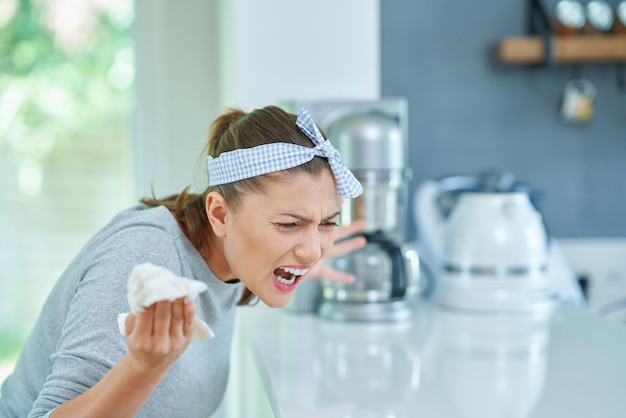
(285, 226)
(329, 225)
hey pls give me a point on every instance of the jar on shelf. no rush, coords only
(569, 17)
(620, 17)
(600, 17)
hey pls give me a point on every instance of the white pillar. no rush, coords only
(177, 90)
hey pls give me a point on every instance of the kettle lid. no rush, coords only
(488, 181)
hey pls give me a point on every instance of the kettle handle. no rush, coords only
(428, 219)
(398, 268)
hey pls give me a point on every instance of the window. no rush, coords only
(66, 91)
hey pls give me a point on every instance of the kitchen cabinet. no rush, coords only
(443, 364)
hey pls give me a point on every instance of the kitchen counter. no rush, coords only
(568, 363)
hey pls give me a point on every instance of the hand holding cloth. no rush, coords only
(148, 284)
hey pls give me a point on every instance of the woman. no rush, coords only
(266, 220)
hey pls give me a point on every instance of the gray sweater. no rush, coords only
(76, 339)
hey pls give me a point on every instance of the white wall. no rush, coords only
(304, 50)
(177, 90)
(196, 57)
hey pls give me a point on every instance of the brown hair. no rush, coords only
(233, 130)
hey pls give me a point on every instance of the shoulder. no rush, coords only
(139, 232)
(144, 219)
(135, 236)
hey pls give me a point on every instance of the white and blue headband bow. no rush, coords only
(245, 163)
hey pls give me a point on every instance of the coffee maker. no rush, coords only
(372, 139)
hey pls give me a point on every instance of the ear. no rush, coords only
(216, 210)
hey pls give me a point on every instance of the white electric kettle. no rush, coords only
(498, 234)
(487, 246)
(495, 254)
(436, 198)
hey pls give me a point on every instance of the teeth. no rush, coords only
(295, 271)
(286, 281)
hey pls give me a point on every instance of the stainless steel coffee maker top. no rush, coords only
(372, 144)
(369, 140)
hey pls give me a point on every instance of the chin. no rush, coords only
(276, 302)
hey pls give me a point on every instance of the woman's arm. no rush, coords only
(156, 338)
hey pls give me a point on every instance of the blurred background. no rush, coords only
(105, 101)
(66, 103)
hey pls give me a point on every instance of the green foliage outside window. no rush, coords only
(64, 67)
(66, 78)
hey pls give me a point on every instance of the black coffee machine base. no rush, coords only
(391, 311)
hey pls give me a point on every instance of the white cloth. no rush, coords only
(149, 283)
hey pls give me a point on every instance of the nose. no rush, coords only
(309, 249)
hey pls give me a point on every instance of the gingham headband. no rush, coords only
(244, 163)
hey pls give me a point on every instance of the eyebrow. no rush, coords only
(304, 219)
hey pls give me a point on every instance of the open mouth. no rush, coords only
(286, 278)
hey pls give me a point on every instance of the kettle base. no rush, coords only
(499, 299)
(390, 311)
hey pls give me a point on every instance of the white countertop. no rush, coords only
(442, 364)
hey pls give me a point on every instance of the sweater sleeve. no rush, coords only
(90, 343)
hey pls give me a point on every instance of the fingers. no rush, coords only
(336, 276)
(177, 318)
(345, 231)
(162, 318)
(181, 322)
(130, 322)
(339, 248)
(189, 313)
(344, 247)
(159, 335)
(143, 322)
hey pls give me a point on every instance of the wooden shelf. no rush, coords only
(565, 49)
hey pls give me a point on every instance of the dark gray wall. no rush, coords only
(468, 114)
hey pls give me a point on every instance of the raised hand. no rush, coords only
(321, 270)
(158, 336)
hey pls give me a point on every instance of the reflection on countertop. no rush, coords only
(490, 366)
(444, 363)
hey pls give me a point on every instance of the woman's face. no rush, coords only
(277, 236)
